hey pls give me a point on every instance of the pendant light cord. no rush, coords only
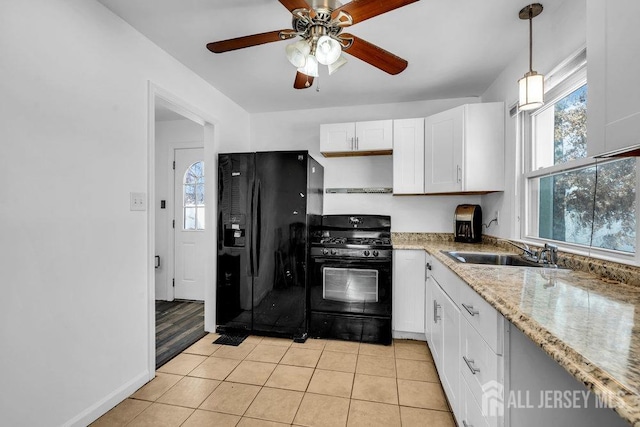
(531, 38)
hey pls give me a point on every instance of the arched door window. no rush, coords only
(193, 197)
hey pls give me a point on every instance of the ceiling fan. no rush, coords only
(319, 24)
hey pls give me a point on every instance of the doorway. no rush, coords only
(180, 295)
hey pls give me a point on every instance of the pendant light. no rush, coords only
(531, 86)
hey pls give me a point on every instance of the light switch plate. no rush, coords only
(137, 201)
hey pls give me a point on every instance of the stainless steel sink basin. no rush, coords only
(492, 259)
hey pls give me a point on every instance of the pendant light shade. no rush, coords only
(531, 90)
(328, 50)
(531, 86)
(310, 67)
(337, 64)
(297, 53)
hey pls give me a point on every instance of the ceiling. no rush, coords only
(454, 49)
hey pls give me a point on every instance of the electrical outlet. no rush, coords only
(137, 201)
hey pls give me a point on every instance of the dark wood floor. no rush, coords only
(179, 324)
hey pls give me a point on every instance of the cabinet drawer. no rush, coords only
(484, 318)
(447, 279)
(471, 413)
(479, 365)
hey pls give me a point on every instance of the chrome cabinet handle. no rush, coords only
(357, 142)
(435, 311)
(464, 423)
(470, 309)
(458, 173)
(353, 144)
(469, 363)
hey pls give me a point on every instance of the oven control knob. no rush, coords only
(333, 252)
(325, 251)
(366, 253)
(375, 253)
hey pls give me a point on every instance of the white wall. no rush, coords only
(74, 260)
(300, 130)
(170, 135)
(555, 37)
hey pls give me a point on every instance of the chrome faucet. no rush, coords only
(524, 248)
(547, 255)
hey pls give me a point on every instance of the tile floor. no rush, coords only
(275, 382)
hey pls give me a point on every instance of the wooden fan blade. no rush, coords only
(295, 4)
(361, 10)
(374, 55)
(302, 81)
(248, 41)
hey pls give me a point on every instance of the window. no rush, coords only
(571, 198)
(193, 197)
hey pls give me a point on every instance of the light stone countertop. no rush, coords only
(587, 324)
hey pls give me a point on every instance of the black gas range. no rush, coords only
(350, 280)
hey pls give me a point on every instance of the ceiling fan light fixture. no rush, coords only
(310, 68)
(337, 64)
(531, 86)
(328, 50)
(298, 52)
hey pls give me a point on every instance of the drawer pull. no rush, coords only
(469, 363)
(436, 306)
(464, 423)
(470, 309)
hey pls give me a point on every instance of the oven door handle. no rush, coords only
(343, 261)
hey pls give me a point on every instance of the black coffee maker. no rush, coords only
(467, 222)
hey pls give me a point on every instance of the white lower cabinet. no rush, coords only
(446, 342)
(493, 375)
(466, 363)
(408, 293)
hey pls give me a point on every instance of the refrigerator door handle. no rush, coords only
(255, 231)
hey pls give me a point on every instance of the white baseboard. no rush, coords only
(98, 409)
(409, 336)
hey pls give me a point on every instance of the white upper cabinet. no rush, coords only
(613, 42)
(356, 139)
(464, 150)
(408, 156)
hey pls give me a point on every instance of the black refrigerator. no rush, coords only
(267, 203)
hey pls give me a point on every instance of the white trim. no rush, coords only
(99, 408)
(211, 133)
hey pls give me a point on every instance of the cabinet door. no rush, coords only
(374, 136)
(450, 374)
(337, 137)
(408, 156)
(408, 290)
(446, 343)
(443, 151)
(428, 304)
(613, 67)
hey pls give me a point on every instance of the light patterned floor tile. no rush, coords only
(373, 414)
(189, 392)
(182, 364)
(231, 398)
(273, 404)
(332, 383)
(157, 387)
(322, 411)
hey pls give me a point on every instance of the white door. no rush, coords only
(443, 139)
(189, 225)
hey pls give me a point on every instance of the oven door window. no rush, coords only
(350, 285)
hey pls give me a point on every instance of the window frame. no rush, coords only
(196, 206)
(567, 77)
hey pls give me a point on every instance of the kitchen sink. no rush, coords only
(492, 259)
